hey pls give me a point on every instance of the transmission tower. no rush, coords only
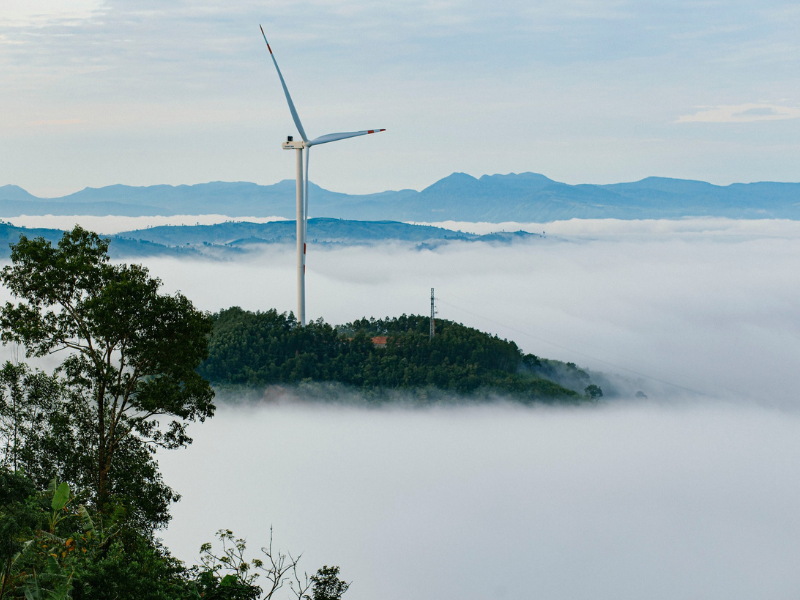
(433, 315)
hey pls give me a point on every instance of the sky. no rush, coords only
(143, 92)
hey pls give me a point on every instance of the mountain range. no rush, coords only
(231, 239)
(522, 197)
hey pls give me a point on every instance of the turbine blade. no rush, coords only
(335, 137)
(292, 109)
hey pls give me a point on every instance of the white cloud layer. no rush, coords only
(36, 13)
(706, 304)
(624, 502)
(742, 113)
(115, 224)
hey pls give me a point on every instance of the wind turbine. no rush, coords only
(302, 183)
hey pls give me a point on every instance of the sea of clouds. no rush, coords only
(706, 305)
(691, 493)
(618, 502)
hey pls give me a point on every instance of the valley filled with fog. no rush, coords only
(690, 493)
(705, 306)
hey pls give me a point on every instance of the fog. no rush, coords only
(617, 502)
(713, 312)
(690, 494)
(110, 225)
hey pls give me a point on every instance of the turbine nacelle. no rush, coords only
(294, 145)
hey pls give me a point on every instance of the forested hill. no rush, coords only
(521, 197)
(231, 239)
(240, 235)
(266, 348)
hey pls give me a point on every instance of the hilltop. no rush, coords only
(373, 357)
(519, 197)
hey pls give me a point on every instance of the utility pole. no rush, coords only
(433, 315)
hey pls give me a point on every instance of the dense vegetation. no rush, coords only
(263, 348)
(81, 495)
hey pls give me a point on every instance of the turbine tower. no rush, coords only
(302, 183)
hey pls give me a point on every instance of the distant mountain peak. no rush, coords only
(527, 175)
(14, 192)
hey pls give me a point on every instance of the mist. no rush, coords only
(660, 302)
(109, 225)
(616, 502)
(689, 494)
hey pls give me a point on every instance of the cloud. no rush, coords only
(741, 113)
(706, 228)
(56, 122)
(621, 502)
(35, 13)
(109, 225)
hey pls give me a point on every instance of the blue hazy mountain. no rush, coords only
(514, 197)
(228, 240)
(326, 231)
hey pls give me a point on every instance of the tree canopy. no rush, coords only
(262, 348)
(131, 355)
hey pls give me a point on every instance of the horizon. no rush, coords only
(476, 177)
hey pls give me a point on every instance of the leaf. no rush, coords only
(88, 524)
(61, 497)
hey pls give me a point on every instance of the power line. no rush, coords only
(600, 360)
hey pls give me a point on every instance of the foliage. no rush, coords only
(27, 402)
(18, 518)
(593, 391)
(55, 548)
(234, 574)
(65, 551)
(267, 347)
(131, 359)
(327, 585)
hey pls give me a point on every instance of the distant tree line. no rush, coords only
(263, 348)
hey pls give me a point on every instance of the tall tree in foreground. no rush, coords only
(130, 360)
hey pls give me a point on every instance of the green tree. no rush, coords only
(18, 519)
(27, 401)
(265, 348)
(327, 585)
(593, 391)
(131, 355)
